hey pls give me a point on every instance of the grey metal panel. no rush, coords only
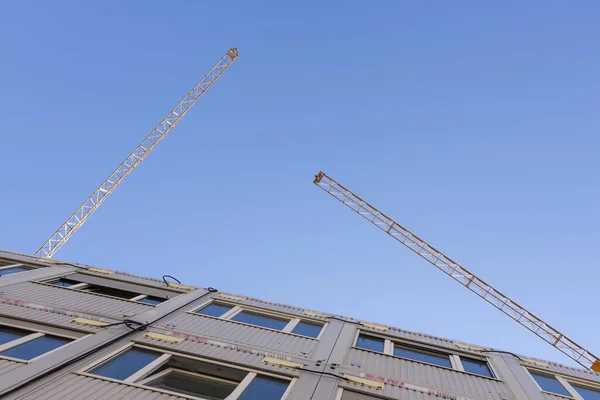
(75, 300)
(110, 281)
(34, 275)
(430, 376)
(79, 387)
(7, 365)
(414, 336)
(142, 280)
(45, 317)
(503, 364)
(389, 392)
(284, 308)
(236, 355)
(235, 332)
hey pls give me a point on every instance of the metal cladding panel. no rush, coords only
(123, 276)
(44, 317)
(436, 378)
(267, 305)
(7, 365)
(75, 300)
(236, 332)
(413, 336)
(388, 391)
(78, 387)
(234, 355)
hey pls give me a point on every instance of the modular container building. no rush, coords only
(70, 331)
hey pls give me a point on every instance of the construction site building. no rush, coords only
(70, 331)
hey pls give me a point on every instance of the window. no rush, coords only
(214, 310)
(550, 384)
(310, 329)
(263, 387)
(192, 384)
(477, 367)
(265, 321)
(587, 394)
(27, 345)
(35, 347)
(178, 374)
(12, 270)
(280, 323)
(107, 291)
(370, 343)
(151, 300)
(557, 384)
(126, 364)
(424, 356)
(62, 282)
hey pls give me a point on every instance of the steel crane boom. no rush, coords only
(459, 274)
(76, 220)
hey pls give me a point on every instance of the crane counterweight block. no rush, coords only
(455, 271)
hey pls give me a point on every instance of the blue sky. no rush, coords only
(474, 125)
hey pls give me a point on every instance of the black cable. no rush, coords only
(172, 277)
(324, 373)
(501, 351)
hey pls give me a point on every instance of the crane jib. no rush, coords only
(78, 218)
(435, 257)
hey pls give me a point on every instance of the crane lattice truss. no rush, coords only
(75, 221)
(458, 273)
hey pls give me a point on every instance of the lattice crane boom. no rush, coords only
(459, 274)
(76, 220)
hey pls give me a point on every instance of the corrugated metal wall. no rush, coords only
(7, 365)
(74, 300)
(427, 375)
(77, 387)
(245, 345)
(235, 332)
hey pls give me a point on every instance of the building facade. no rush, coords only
(71, 331)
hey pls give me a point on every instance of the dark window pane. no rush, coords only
(193, 385)
(264, 388)
(151, 300)
(476, 367)
(261, 320)
(308, 329)
(126, 364)
(8, 334)
(550, 384)
(122, 294)
(214, 310)
(12, 270)
(35, 347)
(587, 394)
(418, 355)
(370, 343)
(62, 282)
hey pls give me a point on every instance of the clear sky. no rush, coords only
(474, 125)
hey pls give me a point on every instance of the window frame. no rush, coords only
(238, 308)
(148, 372)
(35, 334)
(454, 357)
(27, 268)
(566, 381)
(81, 286)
